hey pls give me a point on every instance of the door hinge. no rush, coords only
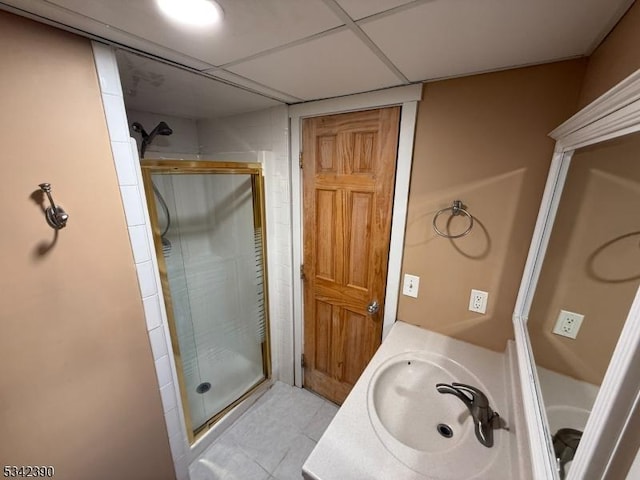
(302, 362)
(302, 275)
(300, 160)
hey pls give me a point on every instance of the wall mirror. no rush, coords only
(583, 271)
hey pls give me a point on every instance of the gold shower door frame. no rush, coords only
(183, 167)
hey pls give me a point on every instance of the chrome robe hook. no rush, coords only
(55, 214)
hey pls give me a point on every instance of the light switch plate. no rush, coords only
(410, 285)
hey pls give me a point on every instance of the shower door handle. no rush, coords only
(373, 307)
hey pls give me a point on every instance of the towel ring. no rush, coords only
(456, 209)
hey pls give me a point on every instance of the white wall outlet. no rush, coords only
(478, 301)
(410, 285)
(568, 324)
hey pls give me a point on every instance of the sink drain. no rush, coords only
(445, 430)
(203, 387)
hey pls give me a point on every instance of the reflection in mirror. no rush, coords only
(592, 268)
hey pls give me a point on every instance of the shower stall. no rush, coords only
(208, 226)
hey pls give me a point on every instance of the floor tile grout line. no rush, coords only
(309, 409)
(306, 425)
(313, 440)
(280, 462)
(255, 460)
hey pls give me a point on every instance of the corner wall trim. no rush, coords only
(125, 157)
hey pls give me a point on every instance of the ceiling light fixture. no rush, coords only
(192, 12)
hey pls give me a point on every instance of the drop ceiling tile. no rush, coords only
(239, 80)
(82, 24)
(332, 65)
(151, 86)
(358, 9)
(456, 37)
(248, 27)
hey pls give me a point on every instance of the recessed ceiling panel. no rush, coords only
(300, 48)
(155, 87)
(248, 27)
(456, 37)
(358, 9)
(328, 66)
(241, 81)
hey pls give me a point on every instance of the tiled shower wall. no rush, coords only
(266, 130)
(244, 134)
(125, 158)
(210, 258)
(183, 140)
(247, 137)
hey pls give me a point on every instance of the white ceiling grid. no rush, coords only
(298, 50)
(321, 68)
(468, 36)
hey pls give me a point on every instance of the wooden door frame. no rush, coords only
(407, 97)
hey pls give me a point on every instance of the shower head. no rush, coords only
(161, 129)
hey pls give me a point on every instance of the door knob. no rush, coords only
(373, 307)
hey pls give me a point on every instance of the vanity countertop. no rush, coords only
(351, 449)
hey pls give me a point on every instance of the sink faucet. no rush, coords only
(485, 420)
(565, 444)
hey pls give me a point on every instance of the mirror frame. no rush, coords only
(614, 114)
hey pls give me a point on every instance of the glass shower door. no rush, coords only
(208, 224)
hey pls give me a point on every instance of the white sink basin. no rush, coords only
(409, 416)
(566, 416)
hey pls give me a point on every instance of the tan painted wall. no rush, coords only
(481, 139)
(615, 59)
(78, 386)
(592, 263)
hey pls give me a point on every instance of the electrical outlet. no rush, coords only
(410, 285)
(568, 324)
(478, 301)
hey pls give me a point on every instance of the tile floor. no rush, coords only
(270, 441)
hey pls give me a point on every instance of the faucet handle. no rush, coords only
(479, 399)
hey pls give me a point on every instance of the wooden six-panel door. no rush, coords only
(349, 163)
